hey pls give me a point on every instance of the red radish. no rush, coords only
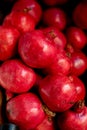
(73, 119)
(61, 65)
(80, 87)
(79, 15)
(58, 92)
(31, 7)
(76, 37)
(21, 21)
(55, 17)
(9, 37)
(79, 63)
(56, 36)
(36, 50)
(25, 110)
(16, 77)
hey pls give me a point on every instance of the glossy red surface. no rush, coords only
(16, 77)
(55, 17)
(25, 110)
(58, 92)
(8, 42)
(72, 120)
(35, 50)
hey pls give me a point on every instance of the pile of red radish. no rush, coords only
(43, 65)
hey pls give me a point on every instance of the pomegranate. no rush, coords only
(46, 124)
(55, 17)
(73, 119)
(79, 15)
(16, 77)
(21, 21)
(76, 37)
(9, 37)
(30, 7)
(25, 110)
(80, 87)
(58, 38)
(43, 64)
(35, 50)
(79, 63)
(61, 65)
(58, 92)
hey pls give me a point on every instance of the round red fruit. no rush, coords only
(21, 21)
(73, 120)
(55, 17)
(79, 63)
(79, 15)
(25, 110)
(46, 124)
(36, 50)
(61, 65)
(16, 77)
(58, 38)
(76, 37)
(80, 87)
(9, 37)
(58, 92)
(30, 7)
